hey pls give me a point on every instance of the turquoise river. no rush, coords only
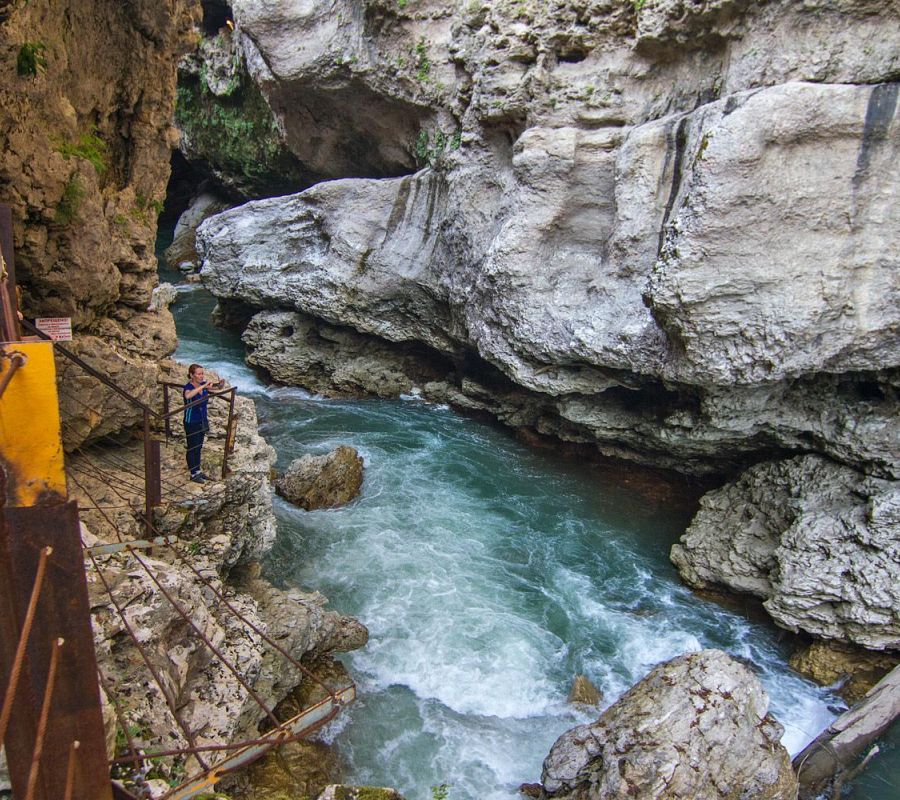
(489, 574)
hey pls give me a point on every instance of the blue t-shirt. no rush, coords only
(196, 413)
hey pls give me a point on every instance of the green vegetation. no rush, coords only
(441, 791)
(70, 202)
(31, 59)
(238, 136)
(422, 62)
(143, 204)
(429, 148)
(401, 4)
(90, 147)
(638, 4)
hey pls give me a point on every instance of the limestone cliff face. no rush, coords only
(683, 252)
(666, 228)
(85, 124)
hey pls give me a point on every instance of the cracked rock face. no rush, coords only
(695, 728)
(551, 288)
(818, 542)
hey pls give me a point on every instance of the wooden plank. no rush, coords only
(836, 748)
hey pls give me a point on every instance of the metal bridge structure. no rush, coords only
(51, 684)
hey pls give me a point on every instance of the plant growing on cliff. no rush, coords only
(70, 202)
(422, 62)
(31, 59)
(429, 151)
(90, 147)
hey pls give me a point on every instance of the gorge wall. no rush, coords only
(665, 228)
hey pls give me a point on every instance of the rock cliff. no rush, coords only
(666, 228)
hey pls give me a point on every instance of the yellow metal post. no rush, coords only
(31, 449)
(55, 744)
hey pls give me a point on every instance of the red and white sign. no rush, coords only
(57, 328)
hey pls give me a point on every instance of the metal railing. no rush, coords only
(148, 416)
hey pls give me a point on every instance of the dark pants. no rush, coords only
(196, 432)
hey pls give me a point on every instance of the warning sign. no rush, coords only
(57, 328)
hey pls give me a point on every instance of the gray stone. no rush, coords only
(820, 543)
(162, 297)
(325, 481)
(182, 253)
(695, 728)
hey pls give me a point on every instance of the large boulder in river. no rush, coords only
(326, 481)
(695, 728)
(818, 542)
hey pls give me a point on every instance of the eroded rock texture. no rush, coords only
(820, 543)
(87, 136)
(696, 727)
(85, 145)
(220, 529)
(325, 481)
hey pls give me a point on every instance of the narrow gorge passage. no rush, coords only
(489, 574)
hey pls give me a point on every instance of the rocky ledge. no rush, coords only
(212, 574)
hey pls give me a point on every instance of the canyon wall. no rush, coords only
(668, 229)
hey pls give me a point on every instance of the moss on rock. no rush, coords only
(236, 138)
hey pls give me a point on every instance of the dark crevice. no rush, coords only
(216, 15)
(678, 143)
(571, 55)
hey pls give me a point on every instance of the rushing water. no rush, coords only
(489, 574)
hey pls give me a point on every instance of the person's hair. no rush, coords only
(193, 368)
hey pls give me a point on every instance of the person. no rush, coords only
(196, 421)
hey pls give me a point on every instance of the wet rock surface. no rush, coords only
(696, 727)
(853, 669)
(325, 481)
(584, 693)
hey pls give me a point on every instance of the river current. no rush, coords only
(489, 574)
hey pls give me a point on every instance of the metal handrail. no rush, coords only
(152, 481)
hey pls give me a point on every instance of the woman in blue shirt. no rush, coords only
(196, 422)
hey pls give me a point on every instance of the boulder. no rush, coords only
(162, 297)
(584, 693)
(855, 669)
(182, 253)
(695, 728)
(818, 542)
(325, 481)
